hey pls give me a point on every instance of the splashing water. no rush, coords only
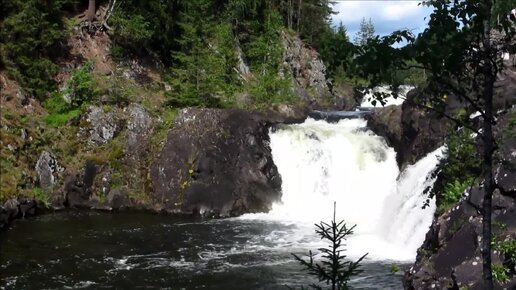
(344, 162)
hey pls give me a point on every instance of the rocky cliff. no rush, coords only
(451, 252)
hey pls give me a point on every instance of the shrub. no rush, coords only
(40, 195)
(334, 269)
(500, 273)
(458, 170)
(81, 87)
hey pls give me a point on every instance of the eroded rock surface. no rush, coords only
(216, 162)
(412, 131)
(102, 126)
(47, 169)
(453, 242)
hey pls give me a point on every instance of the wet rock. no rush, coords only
(386, 122)
(27, 207)
(217, 163)
(4, 218)
(412, 131)
(454, 241)
(47, 169)
(12, 209)
(118, 198)
(102, 125)
(78, 187)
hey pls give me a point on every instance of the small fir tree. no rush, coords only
(334, 269)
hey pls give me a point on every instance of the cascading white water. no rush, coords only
(344, 162)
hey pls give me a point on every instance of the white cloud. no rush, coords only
(400, 10)
(386, 15)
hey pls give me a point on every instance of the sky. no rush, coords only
(387, 16)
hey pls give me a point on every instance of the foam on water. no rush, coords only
(344, 162)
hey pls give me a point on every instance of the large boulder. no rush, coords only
(411, 130)
(386, 122)
(47, 169)
(452, 245)
(423, 130)
(217, 163)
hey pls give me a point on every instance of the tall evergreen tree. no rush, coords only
(366, 32)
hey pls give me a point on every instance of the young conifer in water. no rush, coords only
(334, 270)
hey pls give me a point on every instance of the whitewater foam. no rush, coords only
(320, 163)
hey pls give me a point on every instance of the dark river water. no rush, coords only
(71, 250)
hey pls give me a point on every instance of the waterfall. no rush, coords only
(344, 162)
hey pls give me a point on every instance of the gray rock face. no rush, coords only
(412, 132)
(139, 126)
(453, 244)
(505, 89)
(307, 69)
(47, 169)
(454, 239)
(78, 187)
(505, 172)
(216, 162)
(386, 122)
(102, 125)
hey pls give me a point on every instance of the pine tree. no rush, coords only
(365, 33)
(334, 269)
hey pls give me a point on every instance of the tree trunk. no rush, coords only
(90, 13)
(488, 140)
(299, 14)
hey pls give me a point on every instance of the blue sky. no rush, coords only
(387, 16)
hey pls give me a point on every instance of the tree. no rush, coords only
(365, 33)
(334, 269)
(462, 53)
(501, 9)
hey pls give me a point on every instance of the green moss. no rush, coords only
(395, 268)
(61, 119)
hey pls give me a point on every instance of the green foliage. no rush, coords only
(61, 119)
(334, 269)
(500, 273)
(81, 88)
(453, 192)
(57, 104)
(39, 194)
(395, 268)
(501, 9)
(30, 36)
(458, 170)
(130, 32)
(120, 90)
(506, 247)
